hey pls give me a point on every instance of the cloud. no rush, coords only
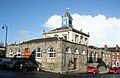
(53, 22)
(24, 32)
(102, 29)
(24, 35)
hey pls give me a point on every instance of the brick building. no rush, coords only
(115, 55)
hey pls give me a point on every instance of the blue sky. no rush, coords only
(26, 19)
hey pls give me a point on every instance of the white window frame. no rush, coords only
(51, 51)
(38, 51)
(81, 39)
(76, 51)
(83, 52)
(113, 54)
(67, 51)
(76, 38)
(65, 36)
(106, 55)
(117, 53)
(18, 53)
(86, 39)
(10, 53)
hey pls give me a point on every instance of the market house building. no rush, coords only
(62, 50)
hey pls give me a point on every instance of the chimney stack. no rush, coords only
(117, 46)
(105, 46)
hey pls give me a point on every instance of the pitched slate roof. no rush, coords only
(93, 47)
(62, 29)
(43, 39)
(112, 49)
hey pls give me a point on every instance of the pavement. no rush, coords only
(103, 72)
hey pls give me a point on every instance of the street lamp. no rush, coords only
(5, 27)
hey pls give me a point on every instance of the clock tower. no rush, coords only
(67, 19)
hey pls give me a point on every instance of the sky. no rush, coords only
(26, 19)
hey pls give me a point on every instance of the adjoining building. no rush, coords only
(62, 50)
(115, 55)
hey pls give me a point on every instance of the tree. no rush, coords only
(1, 44)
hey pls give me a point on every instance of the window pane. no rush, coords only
(54, 54)
(38, 50)
(51, 49)
(38, 54)
(66, 50)
(50, 54)
(19, 55)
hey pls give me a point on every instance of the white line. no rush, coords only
(114, 77)
(102, 76)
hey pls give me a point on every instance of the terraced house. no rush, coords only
(115, 55)
(62, 50)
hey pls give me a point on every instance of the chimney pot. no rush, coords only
(105, 46)
(117, 46)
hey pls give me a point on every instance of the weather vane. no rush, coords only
(67, 9)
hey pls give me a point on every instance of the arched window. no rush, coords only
(83, 52)
(51, 52)
(67, 50)
(95, 56)
(18, 53)
(18, 50)
(102, 54)
(76, 51)
(10, 54)
(38, 53)
(91, 58)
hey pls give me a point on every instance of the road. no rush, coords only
(43, 74)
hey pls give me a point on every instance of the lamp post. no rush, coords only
(5, 27)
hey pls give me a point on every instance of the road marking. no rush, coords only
(114, 77)
(102, 76)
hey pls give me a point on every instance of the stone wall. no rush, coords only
(75, 60)
(48, 64)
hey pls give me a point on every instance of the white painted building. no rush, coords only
(68, 32)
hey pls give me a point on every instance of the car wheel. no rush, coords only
(24, 69)
(35, 69)
(38, 69)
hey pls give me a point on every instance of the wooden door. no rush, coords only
(75, 63)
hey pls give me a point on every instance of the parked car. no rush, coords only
(92, 70)
(28, 65)
(23, 65)
(39, 66)
(14, 65)
(2, 62)
(114, 70)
